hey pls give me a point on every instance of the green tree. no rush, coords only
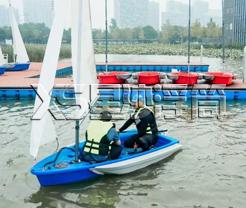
(35, 33)
(150, 33)
(137, 33)
(213, 31)
(98, 34)
(67, 36)
(113, 25)
(197, 31)
(172, 34)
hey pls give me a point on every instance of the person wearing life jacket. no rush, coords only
(145, 122)
(102, 140)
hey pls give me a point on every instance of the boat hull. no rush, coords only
(135, 164)
(2, 70)
(18, 67)
(66, 171)
(66, 177)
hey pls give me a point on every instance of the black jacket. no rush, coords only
(143, 118)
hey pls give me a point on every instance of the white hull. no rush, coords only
(131, 165)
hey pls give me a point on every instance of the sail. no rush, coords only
(44, 123)
(2, 61)
(83, 57)
(20, 53)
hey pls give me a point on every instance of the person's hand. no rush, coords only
(135, 146)
(118, 142)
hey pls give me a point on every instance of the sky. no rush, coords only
(98, 8)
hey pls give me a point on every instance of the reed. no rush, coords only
(36, 51)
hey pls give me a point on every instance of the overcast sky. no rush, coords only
(98, 8)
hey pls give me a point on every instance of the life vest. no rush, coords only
(137, 114)
(96, 131)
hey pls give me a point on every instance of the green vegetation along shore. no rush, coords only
(36, 51)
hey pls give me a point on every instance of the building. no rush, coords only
(38, 11)
(177, 13)
(235, 22)
(4, 16)
(154, 15)
(200, 11)
(136, 13)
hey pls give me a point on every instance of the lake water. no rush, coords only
(210, 171)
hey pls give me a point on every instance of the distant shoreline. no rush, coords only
(36, 51)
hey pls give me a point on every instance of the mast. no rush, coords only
(223, 31)
(106, 34)
(189, 35)
(12, 30)
(83, 62)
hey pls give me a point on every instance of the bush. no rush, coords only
(36, 51)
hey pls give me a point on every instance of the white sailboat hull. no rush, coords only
(131, 165)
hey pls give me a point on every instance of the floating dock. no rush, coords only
(18, 84)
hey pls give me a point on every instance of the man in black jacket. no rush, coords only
(145, 122)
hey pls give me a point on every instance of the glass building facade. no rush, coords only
(235, 22)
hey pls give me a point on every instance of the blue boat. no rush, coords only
(2, 70)
(17, 67)
(61, 168)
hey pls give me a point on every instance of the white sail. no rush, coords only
(20, 53)
(46, 83)
(83, 57)
(2, 61)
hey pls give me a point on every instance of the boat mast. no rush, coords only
(106, 34)
(223, 32)
(13, 41)
(189, 35)
(77, 128)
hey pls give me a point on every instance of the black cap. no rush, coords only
(106, 116)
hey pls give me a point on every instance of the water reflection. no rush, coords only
(103, 192)
(211, 168)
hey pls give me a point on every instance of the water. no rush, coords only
(210, 171)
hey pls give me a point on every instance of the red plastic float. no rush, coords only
(186, 78)
(111, 78)
(220, 78)
(149, 78)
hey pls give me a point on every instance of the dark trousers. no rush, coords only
(145, 142)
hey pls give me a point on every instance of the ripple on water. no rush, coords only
(209, 171)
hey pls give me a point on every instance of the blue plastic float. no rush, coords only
(17, 67)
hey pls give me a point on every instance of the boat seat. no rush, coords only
(91, 151)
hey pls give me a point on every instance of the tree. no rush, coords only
(113, 25)
(5, 33)
(172, 34)
(138, 33)
(98, 34)
(150, 33)
(197, 31)
(67, 36)
(35, 33)
(213, 31)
